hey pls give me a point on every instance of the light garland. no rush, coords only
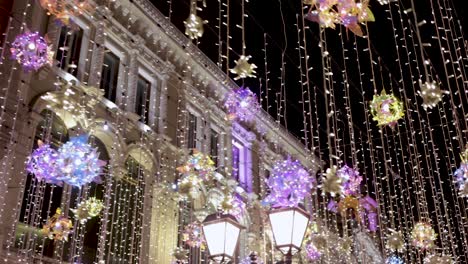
(349, 13)
(58, 227)
(431, 94)
(289, 183)
(193, 235)
(88, 209)
(31, 51)
(43, 164)
(423, 236)
(386, 109)
(63, 10)
(438, 259)
(242, 104)
(243, 68)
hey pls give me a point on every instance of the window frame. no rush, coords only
(154, 81)
(118, 51)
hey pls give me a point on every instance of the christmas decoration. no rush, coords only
(394, 260)
(233, 205)
(193, 235)
(386, 109)
(423, 236)
(289, 183)
(431, 94)
(438, 259)
(368, 212)
(331, 183)
(189, 186)
(461, 179)
(78, 162)
(395, 241)
(349, 202)
(63, 10)
(312, 253)
(348, 13)
(88, 209)
(194, 26)
(42, 163)
(30, 50)
(200, 165)
(332, 206)
(350, 180)
(58, 227)
(241, 104)
(181, 255)
(243, 68)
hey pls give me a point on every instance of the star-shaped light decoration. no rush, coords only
(243, 68)
(350, 180)
(331, 183)
(31, 51)
(439, 259)
(423, 236)
(431, 94)
(194, 26)
(42, 163)
(58, 227)
(88, 209)
(242, 104)
(386, 109)
(395, 241)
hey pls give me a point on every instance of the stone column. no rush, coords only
(131, 80)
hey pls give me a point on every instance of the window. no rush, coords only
(192, 131)
(267, 177)
(110, 75)
(214, 146)
(142, 102)
(69, 48)
(236, 160)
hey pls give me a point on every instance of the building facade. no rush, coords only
(145, 95)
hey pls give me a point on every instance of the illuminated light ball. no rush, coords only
(350, 180)
(233, 205)
(194, 26)
(289, 184)
(193, 235)
(58, 227)
(395, 241)
(88, 209)
(439, 259)
(386, 109)
(394, 260)
(331, 183)
(42, 163)
(243, 68)
(431, 94)
(242, 104)
(423, 236)
(63, 10)
(461, 179)
(312, 253)
(30, 50)
(198, 164)
(78, 162)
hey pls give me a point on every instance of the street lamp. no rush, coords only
(289, 226)
(221, 235)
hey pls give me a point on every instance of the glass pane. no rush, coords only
(142, 101)
(109, 75)
(69, 48)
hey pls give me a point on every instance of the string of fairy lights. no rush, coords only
(389, 189)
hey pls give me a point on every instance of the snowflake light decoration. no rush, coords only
(431, 94)
(78, 162)
(349, 13)
(312, 253)
(242, 104)
(439, 259)
(289, 183)
(30, 50)
(395, 241)
(331, 183)
(88, 209)
(394, 260)
(423, 236)
(63, 10)
(193, 235)
(58, 227)
(386, 109)
(243, 68)
(194, 26)
(350, 180)
(233, 205)
(42, 163)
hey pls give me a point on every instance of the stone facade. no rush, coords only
(185, 86)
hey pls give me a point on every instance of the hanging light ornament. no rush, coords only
(78, 162)
(88, 209)
(347, 203)
(58, 227)
(233, 205)
(198, 164)
(461, 174)
(311, 252)
(386, 109)
(194, 24)
(289, 184)
(193, 235)
(331, 183)
(394, 260)
(439, 259)
(31, 51)
(350, 180)
(243, 68)
(43, 164)
(423, 236)
(349, 13)
(242, 104)
(430, 93)
(368, 212)
(395, 241)
(63, 10)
